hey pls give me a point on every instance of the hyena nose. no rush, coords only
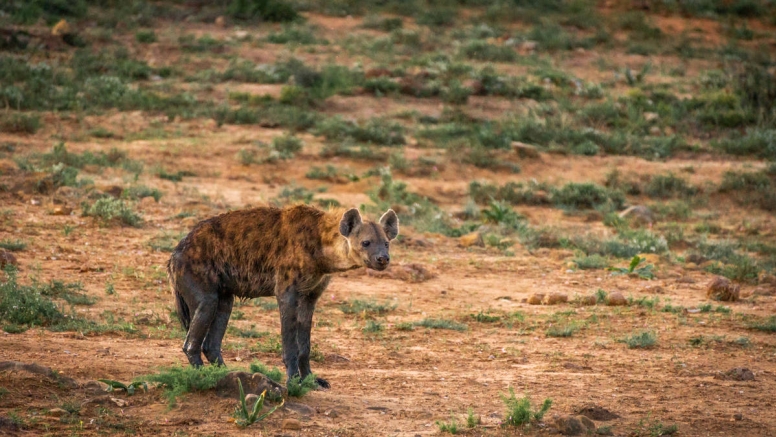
(383, 260)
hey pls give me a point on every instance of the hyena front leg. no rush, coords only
(288, 299)
(306, 308)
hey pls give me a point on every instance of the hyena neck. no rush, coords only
(336, 248)
(338, 258)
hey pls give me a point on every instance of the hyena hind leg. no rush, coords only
(215, 335)
(205, 304)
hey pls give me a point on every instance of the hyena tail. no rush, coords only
(180, 305)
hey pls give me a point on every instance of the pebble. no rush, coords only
(291, 424)
(616, 298)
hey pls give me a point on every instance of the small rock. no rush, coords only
(529, 45)
(252, 383)
(651, 116)
(722, 289)
(99, 400)
(333, 413)
(302, 409)
(596, 412)
(525, 150)
(738, 416)
(57, 412)
(736, 374)
(220, 21)
(241, 34)
(766, 278)
(536, 299)
(473, 239)
(616, 298)
(291, 424)
(587, 423)
(61, 210)
(695, 258)
(588, 300)
(655, 131)
(570, 425)
(93, 388)
(121, 403)
(114, 191)
(685, 280)
(555, 298)
(7, 258)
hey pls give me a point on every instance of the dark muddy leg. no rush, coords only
(305, 323)
(205, 303)
(212, 344)
(287, 303)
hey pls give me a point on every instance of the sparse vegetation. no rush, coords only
(298, 387)
(519, 412)
(449, 427)
(441, 324)
(244, 416)
(12, 245)
(177, 381)
(109, 210)
(365, 307)
(641, 340)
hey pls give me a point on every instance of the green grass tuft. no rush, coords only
(109, 210)
(366, 307)
(449, 427)
(765, 324)
(25, 306)
(274, 374)
(299, 387)
(642, 340)
(177, 381)
(12, 245)
(519, 411)
(562, 330)
(441, 324)
(373, 327)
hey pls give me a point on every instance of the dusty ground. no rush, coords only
(394, 382)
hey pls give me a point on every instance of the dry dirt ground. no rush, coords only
(392, 382)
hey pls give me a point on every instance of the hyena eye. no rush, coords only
(387, 244)
(365, 243)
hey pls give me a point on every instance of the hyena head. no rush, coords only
(369, 242)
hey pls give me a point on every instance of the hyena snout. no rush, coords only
(383, 260)
(380, 261)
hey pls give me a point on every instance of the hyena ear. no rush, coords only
(350, 220)
(390, 223)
